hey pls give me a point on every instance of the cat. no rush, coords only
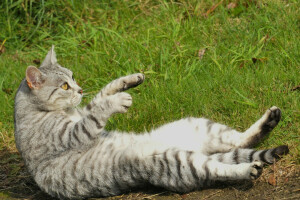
(71, 156)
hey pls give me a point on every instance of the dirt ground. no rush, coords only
(279, 181)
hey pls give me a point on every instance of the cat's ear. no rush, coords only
(50, 58)
(34, 77)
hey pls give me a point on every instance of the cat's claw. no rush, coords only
(256, 169)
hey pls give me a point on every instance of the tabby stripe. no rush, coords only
(46, 164)
(63, 130)
(39, 119)
(44, 150)
(67, 160)
(52, 93)
(42, 126)
(131, 172)
(192, 167)
(86, 131)
(168, 165)
(36, 148)
(209, 125)
(50, 131)
(161, 168)
(75, 131)
(75, 188)
(69, 139)
(137, 163)
(236, 156)
(262, 156)
(89, 106)
(57, 184)
(64, 180)
(114, 171)
(91, 117)
(178, 165)
(251, 155)
(206, 172)
(74, 169)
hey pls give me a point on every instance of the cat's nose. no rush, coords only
(80, 91)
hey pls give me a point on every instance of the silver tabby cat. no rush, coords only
(70, 155)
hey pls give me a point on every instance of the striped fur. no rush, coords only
(70, 154)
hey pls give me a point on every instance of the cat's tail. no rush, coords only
(239, 155)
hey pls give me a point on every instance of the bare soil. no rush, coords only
(279, 181)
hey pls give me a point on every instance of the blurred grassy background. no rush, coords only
(224, 60)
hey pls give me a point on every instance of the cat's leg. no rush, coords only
(108, 101)
(239, 155)
(118, 85)
(227, 138)
(261, 128)
(199, 134)
(184, 171)
(123, 83)
(83, 132)
(251, 136)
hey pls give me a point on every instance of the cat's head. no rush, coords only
(52, 86)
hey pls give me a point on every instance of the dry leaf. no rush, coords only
(254, 60)
(201, 53)
(36, 61)
(8, 91)
(272, 180)
(242, 65)
(231, 5)
(296, 88)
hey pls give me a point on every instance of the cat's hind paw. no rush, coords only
(272, 118)
(256, 169)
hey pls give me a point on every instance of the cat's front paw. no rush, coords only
(121, 102)
(255, 170)
(131, 81)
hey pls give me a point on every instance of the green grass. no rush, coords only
(102, 40)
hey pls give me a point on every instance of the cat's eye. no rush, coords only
(65, 86)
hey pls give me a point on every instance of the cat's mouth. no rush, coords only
(76, 100)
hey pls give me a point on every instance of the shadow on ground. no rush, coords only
(16, 183)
